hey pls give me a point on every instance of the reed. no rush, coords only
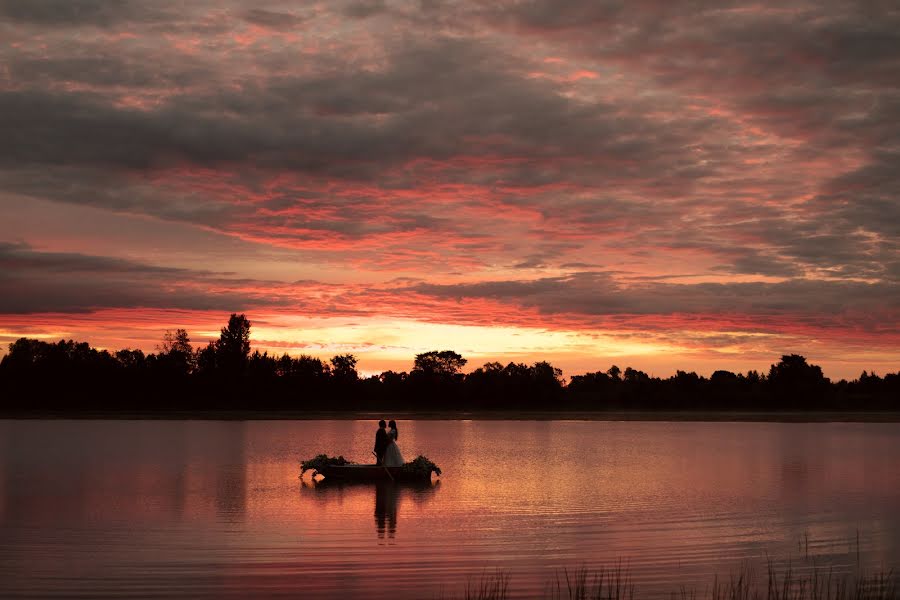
(601, 584)
(581, 583)
(490, 586)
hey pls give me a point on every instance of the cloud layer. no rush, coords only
(601, 167)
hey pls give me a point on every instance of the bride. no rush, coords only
(392, 456)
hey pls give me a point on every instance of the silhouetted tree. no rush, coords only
(868, 382)
(590, 382)
(793, 369)
(131, 359)
(640, 391)
(310, 368)
(343, 368)
(445, 363)
(686, 383)
(486, 387)
(233, 347)
(516, 385)
(206, 359)
(596, 390)
(305, 377)
(723, 378)
(176, 356)
(261, 367)
(633, 376)
(436, 378)
(24, 354)
(726, 390)
(175, 342)
(283, 365)
(797, 383)
(392, 377)
(546, 383)
(70, 376)
(754, 376)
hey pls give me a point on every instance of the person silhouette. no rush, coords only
(392, 455)
(381, 442)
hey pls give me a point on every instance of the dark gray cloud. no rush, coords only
(361, 9)
(96, 66)
(756, 140)
(38, 282)
(272, 19)
(824, 73)
(433, 100)
(19, 257)
(823, 303)
(440, 100)
(73, 13)
(753, 262)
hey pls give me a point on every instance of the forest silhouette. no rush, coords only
(71, 377)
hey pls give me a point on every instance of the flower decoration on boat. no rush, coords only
(322, 461)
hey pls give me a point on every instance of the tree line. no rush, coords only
(69, 377)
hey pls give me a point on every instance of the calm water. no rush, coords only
(216, 509)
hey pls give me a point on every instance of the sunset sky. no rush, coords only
(692, 185)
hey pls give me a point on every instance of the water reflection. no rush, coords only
(154, 508)
(389, 496)
(386, 499)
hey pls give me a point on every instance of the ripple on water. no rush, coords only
(215, 510)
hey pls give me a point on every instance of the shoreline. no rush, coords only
(546, 415)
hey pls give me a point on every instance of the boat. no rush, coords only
(339, 469)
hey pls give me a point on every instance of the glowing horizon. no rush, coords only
(653, 186)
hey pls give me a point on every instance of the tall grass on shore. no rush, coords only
(616, 584)
(817, 585)
(601, 584)
(490, 586)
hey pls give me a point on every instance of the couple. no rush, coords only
(387, 452)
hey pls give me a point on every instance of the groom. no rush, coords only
(381, 442)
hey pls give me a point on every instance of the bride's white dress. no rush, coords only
(392, 456)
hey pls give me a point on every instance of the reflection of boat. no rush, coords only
(372, 473)
(388, 497)
(417, 490)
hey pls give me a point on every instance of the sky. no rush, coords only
(665, 185)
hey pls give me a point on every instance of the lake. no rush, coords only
(215, 509)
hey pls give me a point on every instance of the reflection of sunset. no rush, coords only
(677, 501)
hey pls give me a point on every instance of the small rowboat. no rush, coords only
(339, 469)
(371, 473)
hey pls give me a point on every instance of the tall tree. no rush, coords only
(131, 359)
(206, 359)
(445, 363)
(343, 367)
(233, 347)
(796, 383)
(545, 374)
(175, 342)
(175, 352)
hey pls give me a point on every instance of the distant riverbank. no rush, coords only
(225, 381)
(681, 416)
